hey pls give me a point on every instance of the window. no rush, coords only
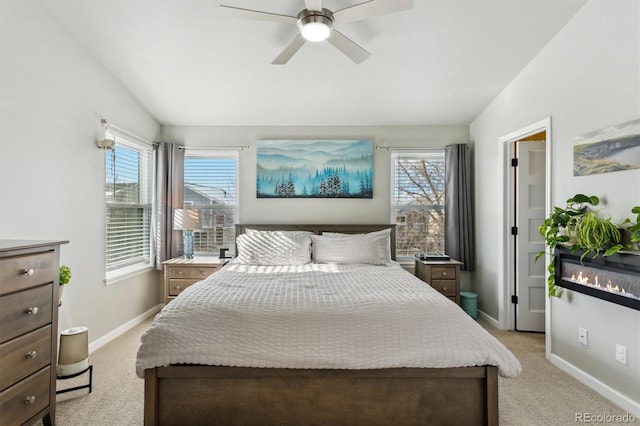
(417, 201)
(210, 185)
(128, 203)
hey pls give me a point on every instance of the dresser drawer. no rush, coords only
(25, 399)
(443, 272)
(25, 311)
(26, 355)
(446, 287)
(184, 272)
(177, 286)
(22, 272)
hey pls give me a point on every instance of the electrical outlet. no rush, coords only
(582, 336)
(621, 353)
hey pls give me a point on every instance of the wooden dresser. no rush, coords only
(29, 273)
(180, 273)
(444, 276)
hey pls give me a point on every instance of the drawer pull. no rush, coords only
(179, 272)
(28, 272)
(202, 273)
(444, 274)
(178, 287)
(444, 288)
(33, 310)
(30, 400)
(31, 354)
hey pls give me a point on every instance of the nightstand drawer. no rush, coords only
(444, 276)
(446, 287)
(180, 273)
(24, 311)
(24, 400)
(184, 272)
(443, 272)
(26, 355)
(177, 286)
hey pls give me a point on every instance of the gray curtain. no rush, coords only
(169, 195)
(459, 242)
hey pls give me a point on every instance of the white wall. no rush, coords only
(585, 79)
(376, 210)
(52, 97)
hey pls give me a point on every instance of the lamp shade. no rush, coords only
(186, 219)
(73, 357)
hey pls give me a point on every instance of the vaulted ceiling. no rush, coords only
(188, 63)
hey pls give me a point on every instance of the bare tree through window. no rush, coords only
(210, 182)
(417, 206)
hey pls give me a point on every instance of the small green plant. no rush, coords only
(559, 228)
(65, 274)
(597, 235)
(634, 230)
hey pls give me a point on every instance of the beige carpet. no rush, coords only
(541, 395)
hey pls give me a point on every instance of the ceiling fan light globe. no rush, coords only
(315, 31)
(314, 25)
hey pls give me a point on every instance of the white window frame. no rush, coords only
(393, 199)
(131, 142)
(229, 233)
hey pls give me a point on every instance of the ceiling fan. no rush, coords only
(316, 24)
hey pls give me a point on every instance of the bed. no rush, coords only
(350, 338)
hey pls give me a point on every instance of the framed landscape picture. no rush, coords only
(314, 169)
(611, 149)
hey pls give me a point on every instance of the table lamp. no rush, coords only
(186, 220)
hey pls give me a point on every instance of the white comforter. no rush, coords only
(318, 316)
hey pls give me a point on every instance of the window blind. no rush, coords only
(210, 185)
(417, 201)
(128, 203)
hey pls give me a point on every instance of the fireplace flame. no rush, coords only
(585, 280)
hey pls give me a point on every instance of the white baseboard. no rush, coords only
(626, 403)
(97, 344)
(491, 320)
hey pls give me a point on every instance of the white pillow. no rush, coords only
(349, 250)
(384, 233)
(274, 247)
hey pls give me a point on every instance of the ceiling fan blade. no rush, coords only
(238, 12)
(348, 47)
(289, 51)
(314, 5)
(370, 9)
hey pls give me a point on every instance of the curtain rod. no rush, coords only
(412, 148)
(240, 147)
(122, 131)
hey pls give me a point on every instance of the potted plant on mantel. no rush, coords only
(634, 230)
(578, 228)
(65, 277)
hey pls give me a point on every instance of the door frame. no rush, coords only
(506, 311)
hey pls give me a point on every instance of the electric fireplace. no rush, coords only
(613, 278)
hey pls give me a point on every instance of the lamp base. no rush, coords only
(187, 244)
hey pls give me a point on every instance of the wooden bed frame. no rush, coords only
(208, 395)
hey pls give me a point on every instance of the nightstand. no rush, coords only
(180, 273)
(444, 276)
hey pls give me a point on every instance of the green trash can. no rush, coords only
(469, 303)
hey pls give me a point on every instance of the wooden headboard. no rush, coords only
(318, 229)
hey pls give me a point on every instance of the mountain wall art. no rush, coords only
(314, 169)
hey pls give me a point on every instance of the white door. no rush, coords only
(530, 282)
